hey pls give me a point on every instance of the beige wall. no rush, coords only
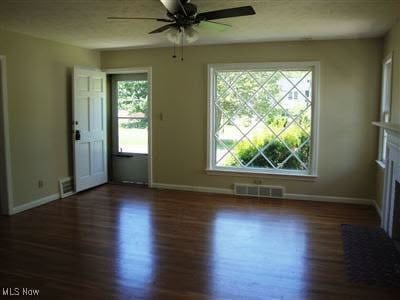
(39, 111)
(391, 46)
(350, 89)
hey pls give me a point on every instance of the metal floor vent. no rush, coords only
(259, 190)
(66, 187)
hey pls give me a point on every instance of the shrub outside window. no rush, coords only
(255, 123)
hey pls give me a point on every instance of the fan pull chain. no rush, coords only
(174, 56)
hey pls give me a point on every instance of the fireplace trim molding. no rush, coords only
(390, 207)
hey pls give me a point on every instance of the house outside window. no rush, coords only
(254, 127)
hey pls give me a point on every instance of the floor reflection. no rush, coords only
(135, 265)
(259, 250)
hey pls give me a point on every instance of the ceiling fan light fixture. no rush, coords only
(175, 35)
(191, 35)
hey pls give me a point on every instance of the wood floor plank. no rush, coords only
(125, 242)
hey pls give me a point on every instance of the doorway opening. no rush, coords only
(130, 101)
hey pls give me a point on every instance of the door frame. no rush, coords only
(148, 71)
(6, 191)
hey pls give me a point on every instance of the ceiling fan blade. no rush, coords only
(162, 29)
(173, 6)
(214, 26)
(226, 13)
(134, 18)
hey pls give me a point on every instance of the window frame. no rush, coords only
(211, 146)
(115, 118)
(385, 107)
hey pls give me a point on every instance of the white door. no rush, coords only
(90, 128)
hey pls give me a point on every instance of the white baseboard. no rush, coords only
(335, 199)
(286, 196)
(377, 208)
(203, 189)
(191, 188)
(35, 203)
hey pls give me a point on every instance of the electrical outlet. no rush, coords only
(40, 184)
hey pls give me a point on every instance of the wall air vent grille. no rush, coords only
(263, 191)
(66, 187)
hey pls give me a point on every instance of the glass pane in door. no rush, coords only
(133, 135)
(132, 116)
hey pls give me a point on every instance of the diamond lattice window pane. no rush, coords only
(293, 163)
(245, 151)
(276, 151)
(263, 119)
(260, 162)
(246, 87)
(263, 102)
(295, 77)
(229, 161)
(225, 81)
(226, 138)
(227, 108)
(221, 150)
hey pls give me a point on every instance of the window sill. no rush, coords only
(303, 177)
(128, 155)
(380, 164)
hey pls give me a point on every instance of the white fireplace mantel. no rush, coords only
(388, 125)
(391, 198)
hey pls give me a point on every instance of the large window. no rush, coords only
(262, 118)
(131, 113)
(385, 107)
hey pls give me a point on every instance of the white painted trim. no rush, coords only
(35, 203)
(323, 198)
(190, 188)
(6, 174)
(388, 59)
(211, 149)
(127, 70)
(377, 208)
(250, 173)
(263, 65)
(150, 118)
(387, 62)
(287, 196)
(315, 118)
(380, 164)
(149, 71)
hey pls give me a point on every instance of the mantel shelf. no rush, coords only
(388, 125)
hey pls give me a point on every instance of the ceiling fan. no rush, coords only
(182, 15)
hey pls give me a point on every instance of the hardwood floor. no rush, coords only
(132, 243)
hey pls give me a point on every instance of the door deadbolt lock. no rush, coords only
(77, 135)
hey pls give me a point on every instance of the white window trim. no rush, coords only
(387, 60)
(212, 68)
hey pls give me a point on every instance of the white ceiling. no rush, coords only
(83, 22)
